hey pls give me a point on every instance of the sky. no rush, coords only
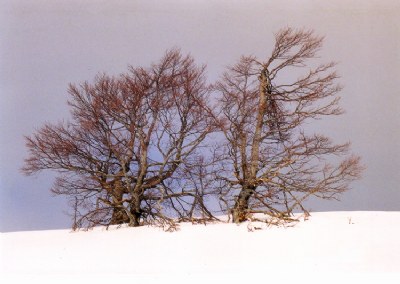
(45, 45)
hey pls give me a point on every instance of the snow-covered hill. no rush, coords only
(365, 243)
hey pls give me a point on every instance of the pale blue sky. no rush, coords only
(44, 45)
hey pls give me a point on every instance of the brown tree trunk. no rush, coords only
(262, 108)
(240, 209)
(136, 212)
(119, 217)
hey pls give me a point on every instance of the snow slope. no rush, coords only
(361, 243)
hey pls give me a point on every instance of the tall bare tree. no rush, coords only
(273, 165)
(131, 150)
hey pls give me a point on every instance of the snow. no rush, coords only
(365, 244)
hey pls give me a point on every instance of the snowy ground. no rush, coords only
(365, 244)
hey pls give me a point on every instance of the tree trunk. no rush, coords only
(136, 211)
(240, 210)
(262, 108)
(119, 216)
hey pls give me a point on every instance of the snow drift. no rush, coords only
(334, 242)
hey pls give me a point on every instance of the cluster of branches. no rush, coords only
(138, 149)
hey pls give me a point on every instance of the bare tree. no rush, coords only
(272, 166)
(132, 146)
